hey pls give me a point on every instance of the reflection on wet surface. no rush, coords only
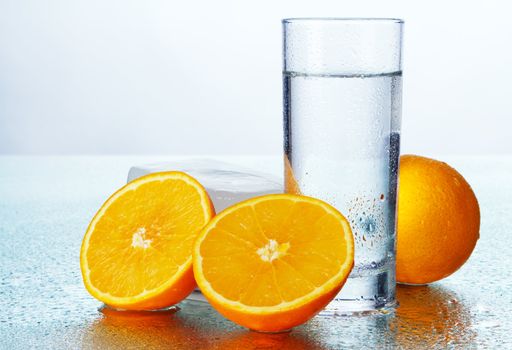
(43, 304)
(428, 316)
(198, 327)
(125, 329)
(432, 316)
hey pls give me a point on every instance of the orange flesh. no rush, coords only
(140, 240)
(273, 252)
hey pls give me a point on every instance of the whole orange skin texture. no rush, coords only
(438, 220)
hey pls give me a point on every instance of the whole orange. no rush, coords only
(438, 220)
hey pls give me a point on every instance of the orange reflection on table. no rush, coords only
(431, 316)
(141, 329)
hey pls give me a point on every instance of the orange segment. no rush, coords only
(272, 262)
(136, 253)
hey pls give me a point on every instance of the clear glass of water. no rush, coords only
(342, 84)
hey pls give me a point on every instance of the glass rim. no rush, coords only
(341, 19)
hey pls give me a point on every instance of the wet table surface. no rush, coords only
(47, 202)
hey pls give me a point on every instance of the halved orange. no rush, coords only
(272, 262)
(137, 251)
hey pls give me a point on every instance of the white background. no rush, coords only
(204, 77)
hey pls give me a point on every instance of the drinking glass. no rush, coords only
(342, 84)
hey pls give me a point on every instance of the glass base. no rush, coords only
(364, 293)
(358, 308)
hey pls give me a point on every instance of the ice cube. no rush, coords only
(226, 183)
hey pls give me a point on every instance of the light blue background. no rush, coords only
(195, 77)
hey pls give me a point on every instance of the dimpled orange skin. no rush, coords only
(438, 220)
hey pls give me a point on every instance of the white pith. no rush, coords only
(139, 239)
(272, 250)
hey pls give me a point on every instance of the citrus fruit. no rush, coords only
(438, 220)
(272, 262)
(137, 251)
